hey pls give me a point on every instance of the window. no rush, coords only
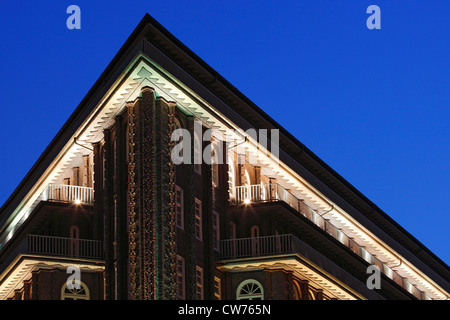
(254, 232)
(278, 241)
(180, 277)
(246, 181)
(76, 176)
(297, 292)
(231, 178)
(263, 192)
(233, 235)
(247, 191)
(176, 124)
(216, 230)
(198, 219)
(74, 232)
(250, 290)
(179, 207)
(199, 283)
(74, 241)
(217, 288)
(214, 166)
(197, 154)
(80, 293)
(232, 230)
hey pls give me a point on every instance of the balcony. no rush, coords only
(296, 255)
(59, 193)
(47, 250)
(57, 247)
(275, 192)
(257, 247)
(63, 247)
(68, 194)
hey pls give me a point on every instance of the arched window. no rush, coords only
(176, 124)
(250, 290)
(312, 295)
(74, 241)
(246, 182)
(297, 292)
(263, 192)
(81, 293)
(278, 241)
(254, 233)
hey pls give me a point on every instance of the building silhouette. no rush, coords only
(258, 217)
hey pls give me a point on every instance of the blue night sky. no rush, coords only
(373, 104)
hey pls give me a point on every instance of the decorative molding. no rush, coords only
(170, 232)
(147, 199)
(132, 229)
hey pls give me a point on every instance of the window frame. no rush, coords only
(231, 179)
(259, 296)
(216, 229)
(74, 295)
(218, 292)
(199, 292)
(179, 216)
(198, 219)
(180, 276)
(198, 152)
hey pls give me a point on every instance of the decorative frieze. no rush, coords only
(132, 219)
(151, 209)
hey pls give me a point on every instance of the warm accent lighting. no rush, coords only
(77, 201)
(247, 201)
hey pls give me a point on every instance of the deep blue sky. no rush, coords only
(373, 104)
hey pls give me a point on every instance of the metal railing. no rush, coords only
(68, 193)
(275, 192)
(279, 245)
(53, 192)
(265, 193)
(256, 247)
(67, 247)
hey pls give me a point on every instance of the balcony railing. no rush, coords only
(66, 247)
(275, 192)
(56, 247)
(69, 194)
(53, 192)
(276, 245)
(256, 247)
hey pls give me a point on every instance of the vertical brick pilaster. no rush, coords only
(108, 209)
(152, 246)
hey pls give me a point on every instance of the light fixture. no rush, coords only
(77, 201)
(247, 201)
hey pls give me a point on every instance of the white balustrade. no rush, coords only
(71, 194)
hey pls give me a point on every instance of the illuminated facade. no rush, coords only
(106, 197)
